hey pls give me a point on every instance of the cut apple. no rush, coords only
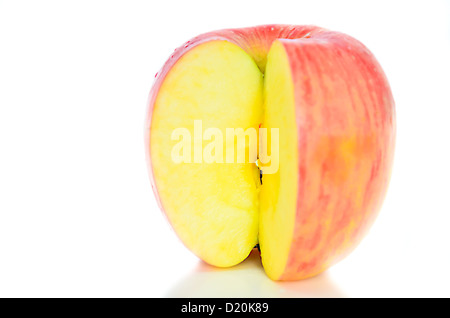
(327, 101)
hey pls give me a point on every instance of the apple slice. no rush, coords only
(329, 101)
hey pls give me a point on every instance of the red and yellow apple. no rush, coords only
(333, 106)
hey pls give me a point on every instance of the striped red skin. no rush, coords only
(346, 133)
(346, 129)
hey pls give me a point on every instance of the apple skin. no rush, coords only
(345, 117)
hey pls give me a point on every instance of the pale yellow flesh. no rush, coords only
(278, 197)
(220, 209)
(213, 207)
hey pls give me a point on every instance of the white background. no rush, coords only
(77, 215)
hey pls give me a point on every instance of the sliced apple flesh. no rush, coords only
(213, 207)
(278, 196)
(220, 210)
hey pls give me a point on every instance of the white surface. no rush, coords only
(77, 216)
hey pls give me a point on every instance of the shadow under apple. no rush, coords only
(248, 279)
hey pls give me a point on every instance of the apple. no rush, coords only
(330, 103)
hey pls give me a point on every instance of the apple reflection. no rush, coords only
(248, 279)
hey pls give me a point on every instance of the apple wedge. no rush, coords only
(309, 195)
